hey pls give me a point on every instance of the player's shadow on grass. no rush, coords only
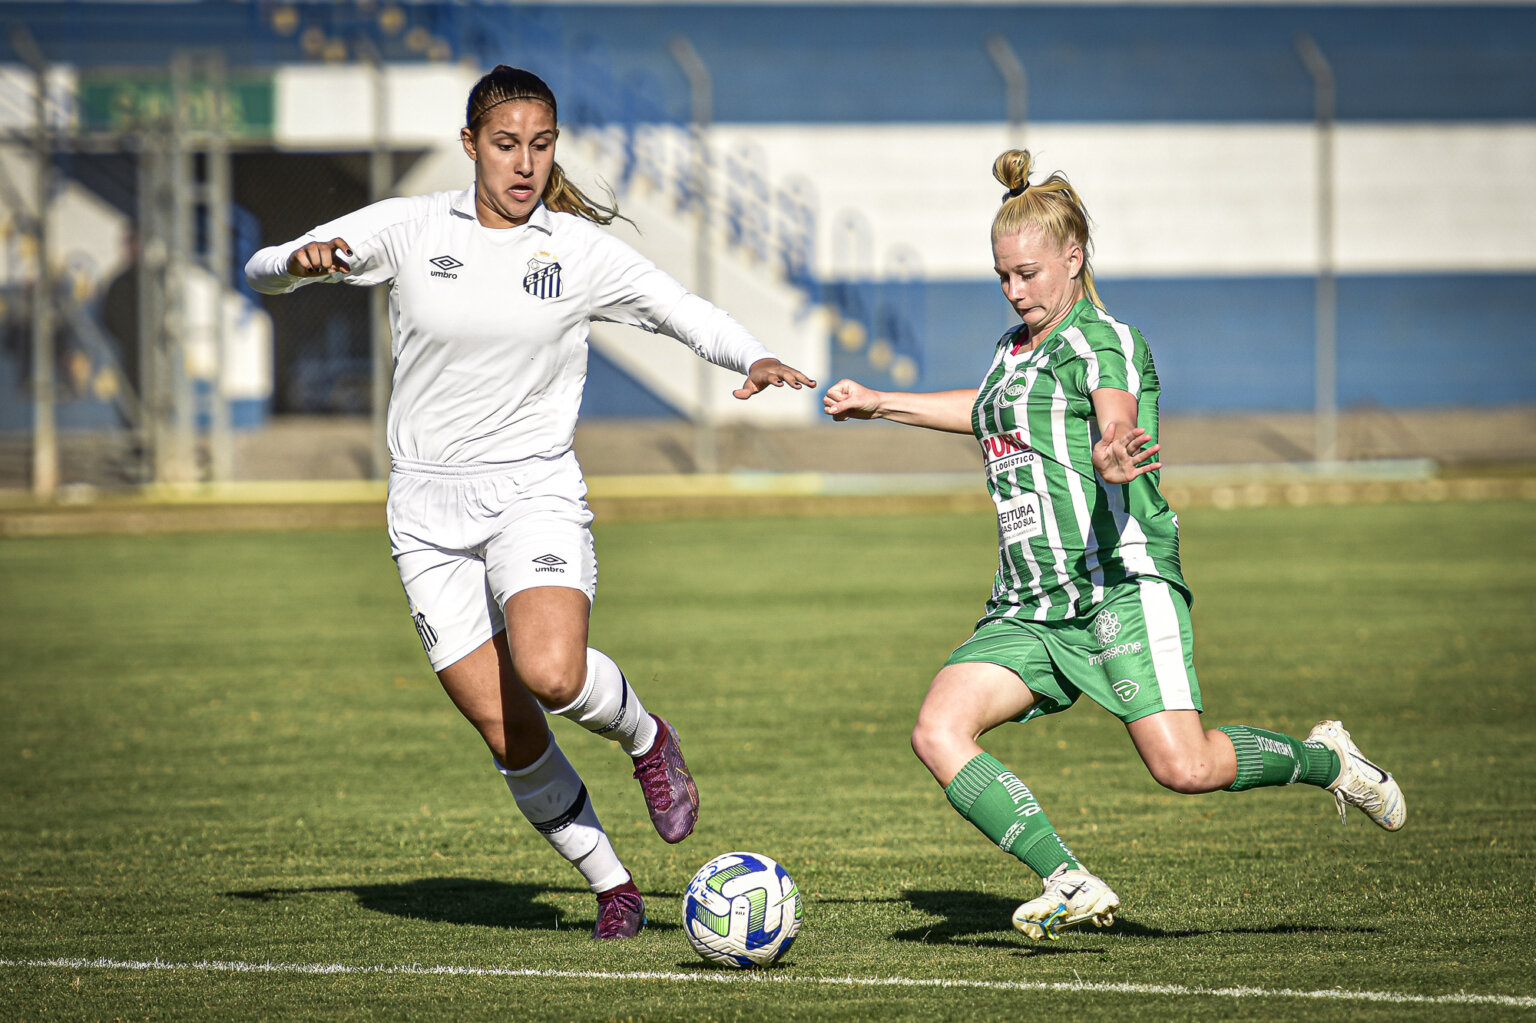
(972, 918)
(460, 900)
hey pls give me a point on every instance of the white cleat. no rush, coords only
(1070, 897)
(1360, 783)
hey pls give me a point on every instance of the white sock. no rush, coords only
(550, 794)
(609, 706)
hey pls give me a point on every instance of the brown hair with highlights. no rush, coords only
(503, 84)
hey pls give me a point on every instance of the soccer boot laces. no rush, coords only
(670, 794)
(620, 912)
(1070, 897)
(1360, 783)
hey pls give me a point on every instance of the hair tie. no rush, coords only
(1014, 193)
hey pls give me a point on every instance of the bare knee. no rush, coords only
(1188, 775)
(556, 677)
(924, 740)
(936, 743)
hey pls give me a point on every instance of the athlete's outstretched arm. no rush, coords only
(363, 247)
(1122, 453)
(278, 269)
(771, 372)
(949, 411)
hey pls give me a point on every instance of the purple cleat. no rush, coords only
(620, 912)
(670, 794)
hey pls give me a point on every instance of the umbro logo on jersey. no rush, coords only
(543, 277)
(549, 563)
(445, 264)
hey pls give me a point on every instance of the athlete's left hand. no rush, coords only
(765, 372)
(1122, 459)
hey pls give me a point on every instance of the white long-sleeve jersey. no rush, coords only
(489, 326)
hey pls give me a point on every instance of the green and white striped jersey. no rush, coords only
(1064, 535)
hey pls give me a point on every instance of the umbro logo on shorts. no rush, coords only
(445, 264)
(549, 563)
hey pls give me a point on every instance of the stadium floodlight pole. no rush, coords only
(701, 91)
(45, 447)
(216, 195)
(1325, 372)
(1015, 81)
(180, 463)
(380, 183)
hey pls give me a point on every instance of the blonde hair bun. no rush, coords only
(1011, 169)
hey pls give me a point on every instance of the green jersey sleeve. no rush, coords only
(1112, 354)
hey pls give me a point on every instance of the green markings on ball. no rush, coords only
(757, 898)
(717, 882)
(717, 924)
(794, 890)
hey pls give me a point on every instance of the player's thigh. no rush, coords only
(542, 537)
(449, 602)
(1135, 655)
(547, 638)
(971, 698)
(1020, 649)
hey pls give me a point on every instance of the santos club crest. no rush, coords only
(543, 277)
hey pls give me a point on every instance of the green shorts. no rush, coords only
(1133, 656)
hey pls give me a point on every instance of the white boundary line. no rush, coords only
(1077, 987)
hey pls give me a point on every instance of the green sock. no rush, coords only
(1269, 758)
(991, 797)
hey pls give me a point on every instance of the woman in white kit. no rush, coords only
(492, 291)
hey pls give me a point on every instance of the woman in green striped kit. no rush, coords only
(1088, 597)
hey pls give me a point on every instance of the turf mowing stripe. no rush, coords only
(1078, 987)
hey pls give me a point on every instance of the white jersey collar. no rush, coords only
(463, 204)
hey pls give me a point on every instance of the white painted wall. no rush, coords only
(1181, 199)
(332, 108)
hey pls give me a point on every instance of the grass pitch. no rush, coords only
(224, 751)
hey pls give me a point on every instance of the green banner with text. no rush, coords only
(124, 102)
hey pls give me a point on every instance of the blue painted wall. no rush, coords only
(872, 64)
(1246, 343)
(1220, 342)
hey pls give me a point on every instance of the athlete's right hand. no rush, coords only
(849, 399)
(320, 259)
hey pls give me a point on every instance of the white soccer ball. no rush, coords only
(741, 909)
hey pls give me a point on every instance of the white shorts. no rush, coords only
(465, 538)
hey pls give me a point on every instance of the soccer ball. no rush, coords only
(741, 909)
